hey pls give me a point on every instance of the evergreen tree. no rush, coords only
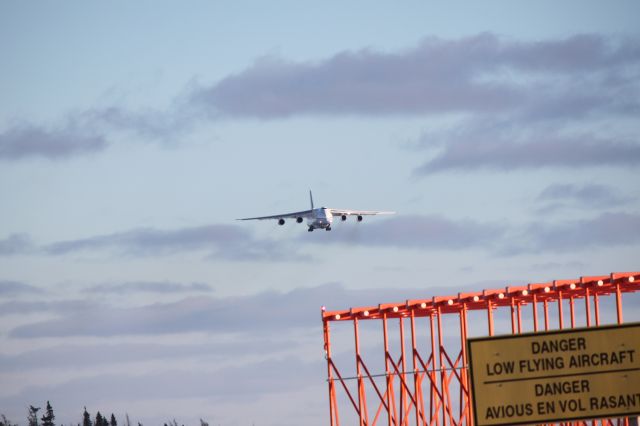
(5, 422)
(203, 423)
(32, 418)
(99, 419)
(86, 418)
(113, 421)
(47, 419)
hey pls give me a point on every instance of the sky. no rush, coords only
(132, 134)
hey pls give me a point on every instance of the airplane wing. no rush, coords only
(345, 212)
(294, 215)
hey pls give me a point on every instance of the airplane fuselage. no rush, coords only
(321, 218)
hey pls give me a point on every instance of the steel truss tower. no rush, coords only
(429, 384)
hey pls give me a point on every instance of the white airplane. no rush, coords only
(321, 218)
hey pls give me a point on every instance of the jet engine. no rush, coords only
(299, 220)
(280, 221)
(359, 218)
(344, 217)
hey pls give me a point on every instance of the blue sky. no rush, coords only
(505, 135)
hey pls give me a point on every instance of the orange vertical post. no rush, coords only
(403, 369)
(618, 299)
(587, 304)
(414, 364)
(434, 394)
(534, 306)
(333, 406)
(362, 402)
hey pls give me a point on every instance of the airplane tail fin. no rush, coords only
(311, 198)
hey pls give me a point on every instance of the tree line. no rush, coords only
(48, 418)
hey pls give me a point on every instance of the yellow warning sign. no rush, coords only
(555, 376)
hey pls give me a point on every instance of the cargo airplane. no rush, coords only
(318, 218)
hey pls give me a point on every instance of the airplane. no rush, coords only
(320, 218)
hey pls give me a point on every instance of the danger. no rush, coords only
(559, 345)
(562, 387)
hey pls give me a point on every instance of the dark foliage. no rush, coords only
(47, 419)
(32, 418)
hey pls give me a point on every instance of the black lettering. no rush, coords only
(490, 413)
(561, 387)
(546, 407)
(498, 368)
(508, 411)
(535, 347)
(571, 405)
(585, 360)
(559, 345)
(630, 400)
(582, 344)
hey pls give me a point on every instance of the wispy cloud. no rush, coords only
(91, 131)
(14, 288)
(78, 306)
(604, 230)
(251, 380)
(29, 140)
(267, 310)
(16, 244)
(229, 242)
(149, 287)
(588, 195)
(253, 315)
(427, 232)
(507, 146)
(93, 355)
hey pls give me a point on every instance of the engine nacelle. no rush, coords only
(299, 220)
(359, 218)
(280, 221)
(344, 217)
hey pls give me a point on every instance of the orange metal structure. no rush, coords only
(429, 385)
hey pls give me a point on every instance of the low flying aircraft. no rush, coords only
(320, 218)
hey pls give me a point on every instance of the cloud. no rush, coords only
(28, 140)
(483, 73)
(150, 123)
(427, 232)
(251, 315)
(229, 242)
(546, 266)
(588, 195)
(90, 131)
(251, 380)
(267, 310)
(149, 287)
(605, 230)
(15, 288)
(480, 146)
(77, 306)
(93, 355)
(16, 244)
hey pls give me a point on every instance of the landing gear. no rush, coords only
(328, 228)
(310, 229)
